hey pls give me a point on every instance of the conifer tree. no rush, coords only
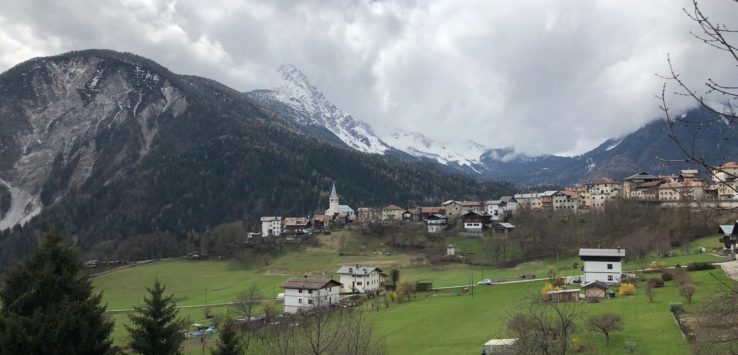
(156, 329)
(229, 342)
(48, 307)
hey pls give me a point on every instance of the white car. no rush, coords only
(485, 282)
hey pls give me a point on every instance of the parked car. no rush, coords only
(576, 280)
(485, 282)
(528, 276)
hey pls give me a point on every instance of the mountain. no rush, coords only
(649, 148)
(300, 101)
(105, 145)
(645, 149)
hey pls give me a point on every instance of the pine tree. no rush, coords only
(48, 307)
(229, 342)
(156, 328)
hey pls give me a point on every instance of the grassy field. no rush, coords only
(197, 283)
(461, 324)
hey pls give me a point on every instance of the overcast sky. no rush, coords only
(541, 76)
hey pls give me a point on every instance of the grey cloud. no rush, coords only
(541, 76)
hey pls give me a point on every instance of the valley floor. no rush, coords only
(428, 324)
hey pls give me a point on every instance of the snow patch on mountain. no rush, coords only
(613, 145)
(416, 144)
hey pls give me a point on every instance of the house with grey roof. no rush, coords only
(603, 265)
(361, 278)
(307, 293)
(730, 235)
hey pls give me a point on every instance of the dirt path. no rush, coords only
(731, 269)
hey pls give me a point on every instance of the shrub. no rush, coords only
(687, 291)
(701, 265)
(678, 266)
(676, 307)
(631, 346)
(658, 266)
(656, 282)
(627, 290)
(681, 276)
(577, 344)
(666, 276)
(593, 299)
(549, 287)
(560, 281)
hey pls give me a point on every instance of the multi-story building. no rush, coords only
(360, 278)
(307, 293)
(271, 226)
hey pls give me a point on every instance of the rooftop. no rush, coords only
(311, 283)
(357, 270)
(619, 252)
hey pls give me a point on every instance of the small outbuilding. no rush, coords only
(595, 289)
(563, 295)
(499, 346)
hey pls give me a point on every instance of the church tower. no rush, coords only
(332, 202)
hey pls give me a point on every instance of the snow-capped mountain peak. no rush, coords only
(308, 106)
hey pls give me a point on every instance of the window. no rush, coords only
(609, 266)
(299, 290)
(358, 283)
(310, 301)
(609, 277)
(310, 292)
(299, 300)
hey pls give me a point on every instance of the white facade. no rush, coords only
(495, 210)
(271, 226)
(602, 265)
(304, 298)
(358, 278)
(436, 223)
(473, 226)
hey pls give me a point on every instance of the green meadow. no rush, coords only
(430, 324)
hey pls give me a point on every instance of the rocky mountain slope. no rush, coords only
(105, 145)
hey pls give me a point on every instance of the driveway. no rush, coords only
(731, 269)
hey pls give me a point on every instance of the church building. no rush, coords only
(336, 209)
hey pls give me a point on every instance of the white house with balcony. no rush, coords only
(602, 264)
(307, 293)
(361, 278)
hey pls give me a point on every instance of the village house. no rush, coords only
(427, 211)
(595, 289)
(601, 191)
(361, 279)
(436, 223)
(452, 208)
(411, 215)
(685, 191)
(502, 229)
(725, 172)
(566, 200)
(603, 265)
(536, 200)
(688, 175)
(508, 204)
(297, 226)
(392, 213)
(322, 222)
(648, 191)
(730, 236)
(475, 222)
(494, 209)
(631, 182)
(307, 293)
(472, 206)
(271, 226)
(368, 214)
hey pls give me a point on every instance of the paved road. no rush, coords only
(731, 269)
